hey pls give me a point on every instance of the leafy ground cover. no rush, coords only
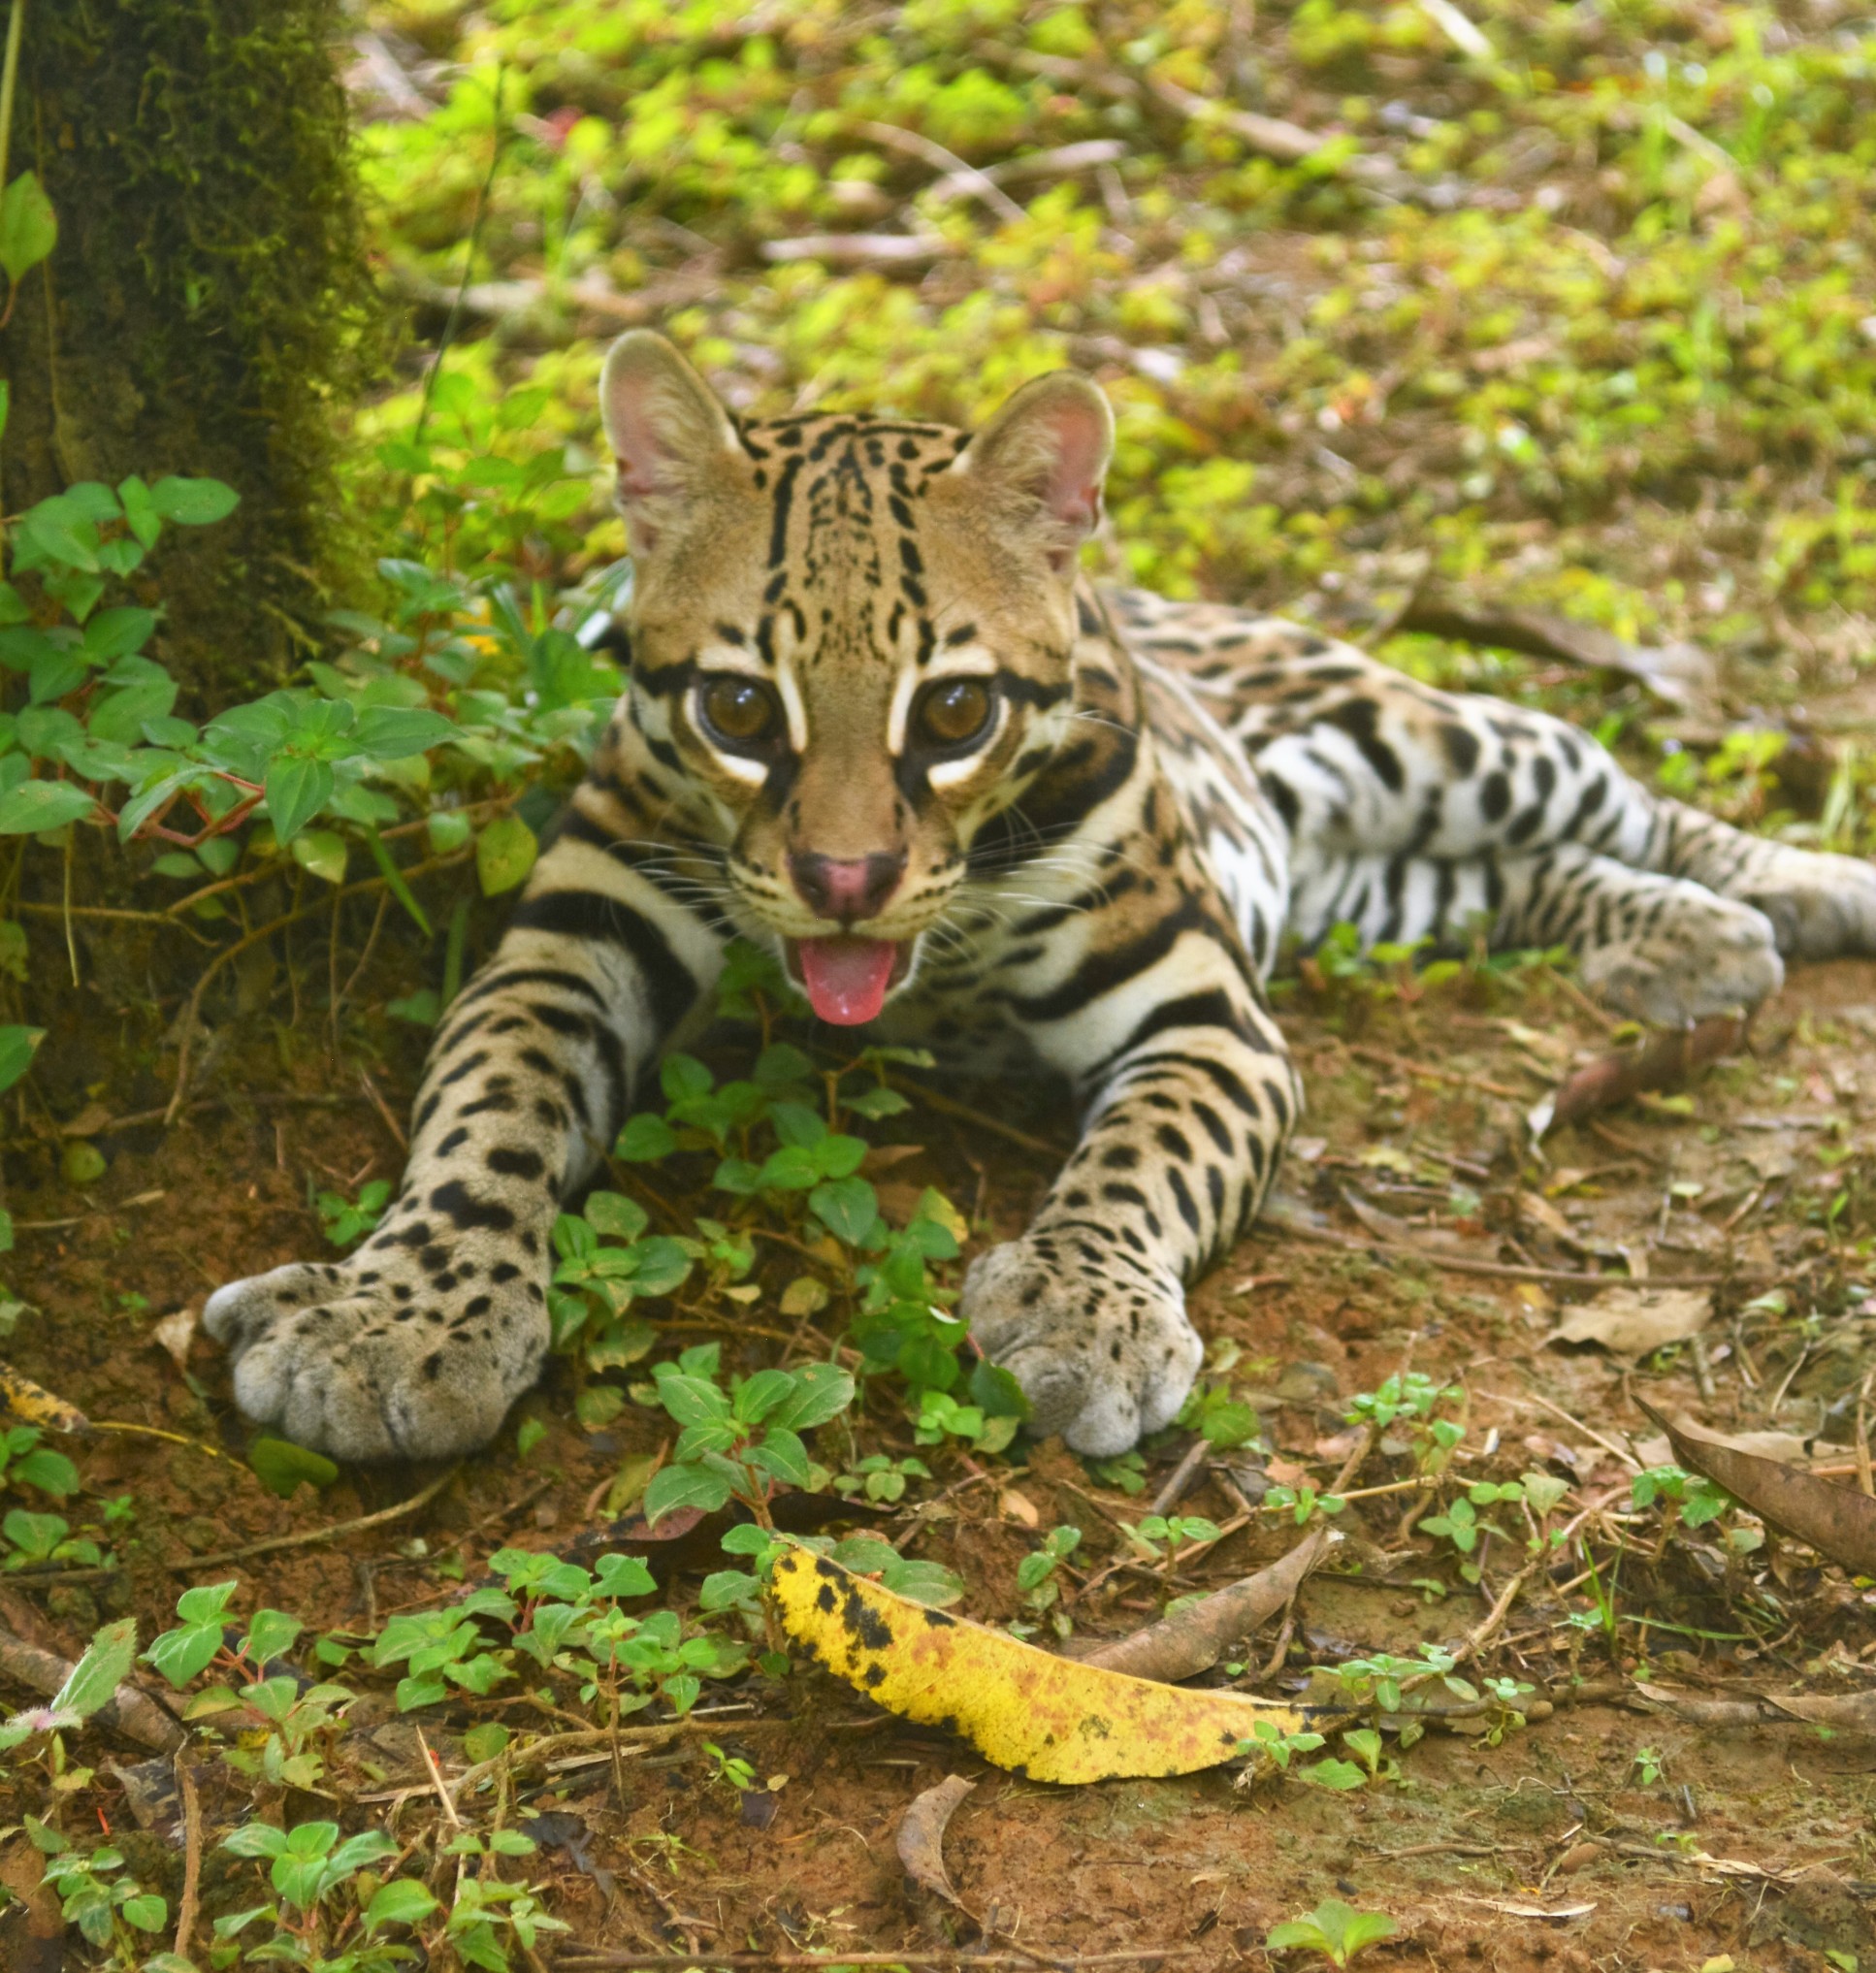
(1562, 310)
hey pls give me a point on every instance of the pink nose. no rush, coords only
(846, 888)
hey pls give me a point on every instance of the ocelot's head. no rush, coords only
(851, 639)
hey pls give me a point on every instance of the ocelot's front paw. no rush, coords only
(1693, 953)
(385, 1356)
(1100, 1344)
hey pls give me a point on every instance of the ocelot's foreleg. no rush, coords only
(415, 1346)
(1190, 1096)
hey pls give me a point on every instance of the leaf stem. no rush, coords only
(9, 78)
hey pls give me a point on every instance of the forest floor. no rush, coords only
(1604, 1832)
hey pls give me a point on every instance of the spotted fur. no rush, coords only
(1100, 881)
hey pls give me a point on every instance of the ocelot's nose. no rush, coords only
(846, 888)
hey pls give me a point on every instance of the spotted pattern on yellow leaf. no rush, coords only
(1048, 1718)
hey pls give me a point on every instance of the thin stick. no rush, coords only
(437, 1781)
(307, 1537)
(1362, 1053)
(9, 78)
(590, 1960)
(1464, 1264)
(383, 1109)
(949, 1106)
(192, 1853)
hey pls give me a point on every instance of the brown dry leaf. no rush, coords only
(922, 1837)
(175, 1333)
(1193, 1639)
(1631, 1322)
(1019, 1506)
(1045, 1717)
(1836, 1521)
(22, 1397)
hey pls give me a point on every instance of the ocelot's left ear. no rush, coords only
(1042, 458)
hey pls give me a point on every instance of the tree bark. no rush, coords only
(207, 309)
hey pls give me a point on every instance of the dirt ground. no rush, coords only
(1555, 1848)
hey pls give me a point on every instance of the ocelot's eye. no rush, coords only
(954, 712)
(742, 713)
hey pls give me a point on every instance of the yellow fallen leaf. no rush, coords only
(22, 1397)
(1038, 1715)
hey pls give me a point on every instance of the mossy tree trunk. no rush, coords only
(207, 309)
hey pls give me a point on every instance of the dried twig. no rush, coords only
(1464, 1264)
(965, 177)
(186, 1909)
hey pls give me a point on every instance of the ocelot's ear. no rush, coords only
(665, 428)
(1043, 457)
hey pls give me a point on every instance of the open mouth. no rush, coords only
(847, 979)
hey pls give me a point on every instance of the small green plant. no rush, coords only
(1272, 1743)
(490, 1917)
(301, 1719)
(112, 1910)
(880, 1479)
(1176, 1532)
(1036, 1572)
(318, 1923)
(344, 1221)
(39, 1540)
(1696, 1500)
(24, 1462)
(1648, 1763)
(1336, 1930)
(741, 1443)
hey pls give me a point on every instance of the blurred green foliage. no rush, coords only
(1590, 313)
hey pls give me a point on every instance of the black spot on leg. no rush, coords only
(465, 1212)
(515, 1164)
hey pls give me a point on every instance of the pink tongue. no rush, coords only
(846, 978)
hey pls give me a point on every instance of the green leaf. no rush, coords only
(284, 1467)
(758, 1395)
(194, 503)
(394, 732)
(504, 853)
(782, 1456)
(322, 851)
(645, 1138)
(613, 1214)
(35, 806)
(17, 1047)
(447, 830)
(1340, 1775)
(29, 225)
(146, 1911)
(297, 789)
(847, 1207)
(270, 1635)
(403, 1901)
(683, 1485)
(822, 1391)
(103, 1668)
(691, 1401)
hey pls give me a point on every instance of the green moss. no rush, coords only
(207, 309)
